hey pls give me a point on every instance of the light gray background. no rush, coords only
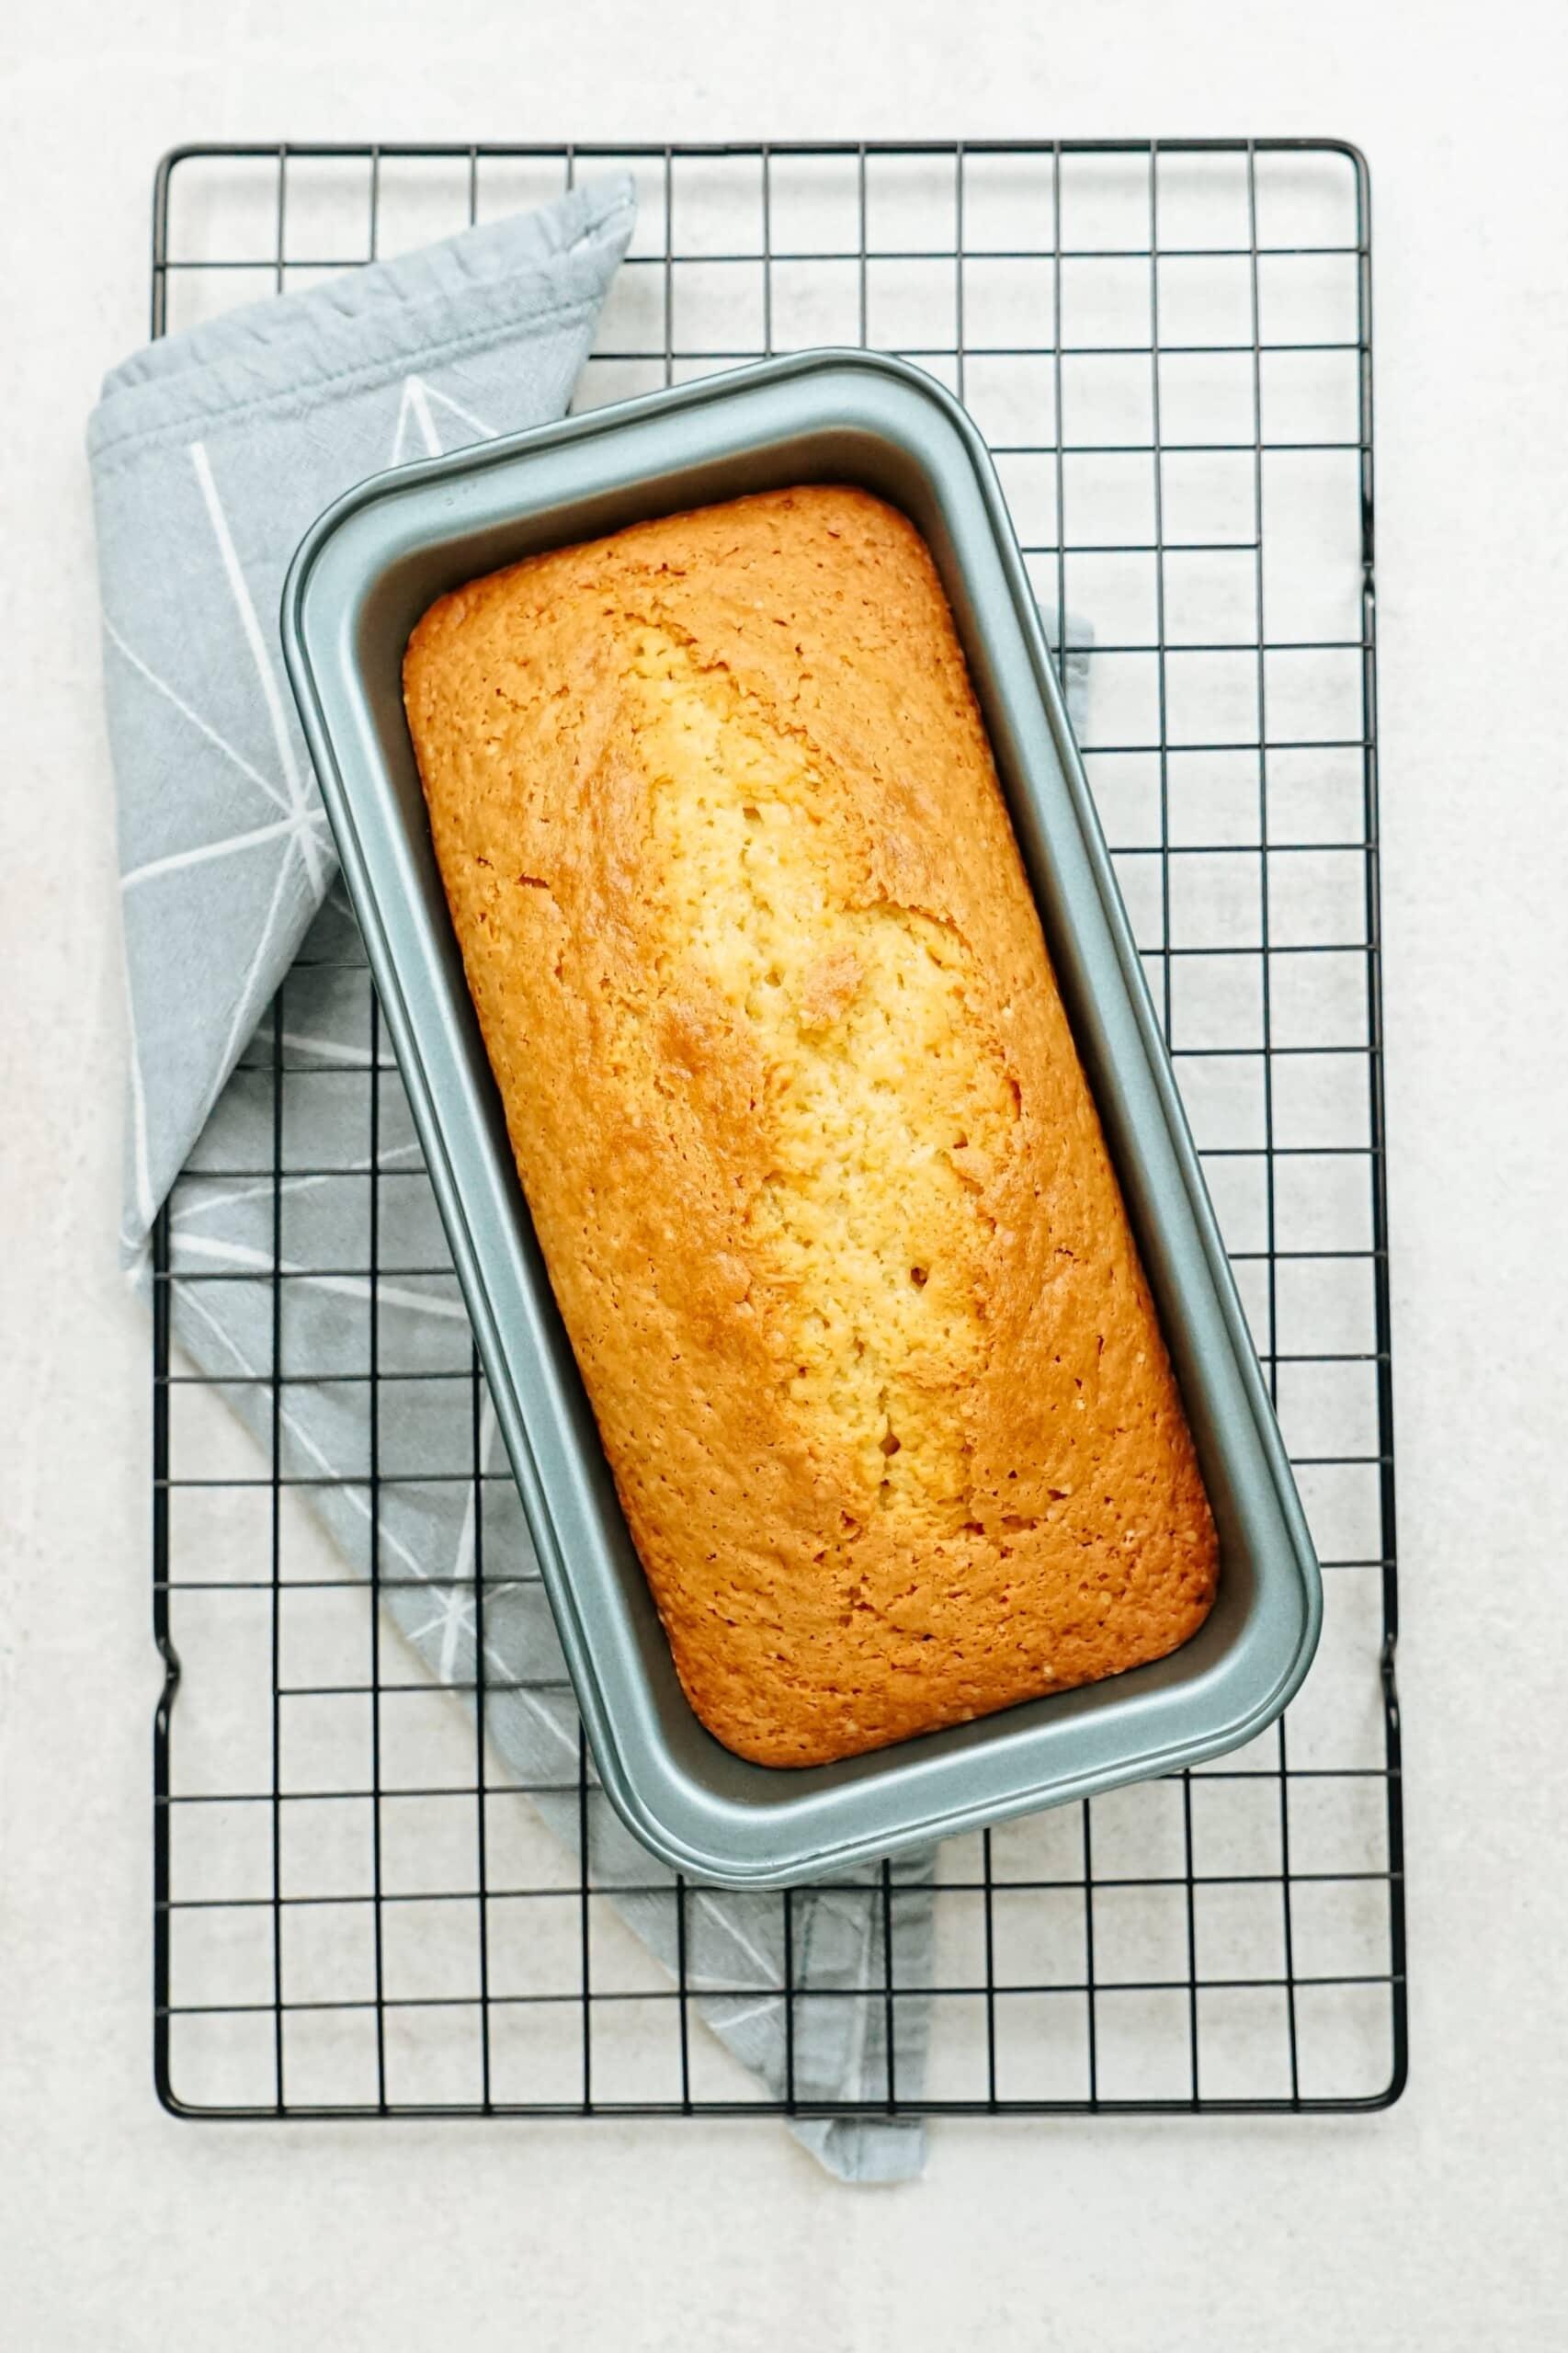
(1440, 2223)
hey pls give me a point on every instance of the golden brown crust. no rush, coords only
(806, 1140)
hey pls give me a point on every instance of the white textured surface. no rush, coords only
(1438, 2224)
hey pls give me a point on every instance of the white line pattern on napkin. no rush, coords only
(210, 461)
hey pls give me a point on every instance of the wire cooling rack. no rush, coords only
(1168, 347)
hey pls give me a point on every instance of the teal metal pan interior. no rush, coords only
(360, 580)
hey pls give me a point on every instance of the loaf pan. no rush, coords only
(362, 577)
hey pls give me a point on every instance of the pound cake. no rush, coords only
(808, 1147)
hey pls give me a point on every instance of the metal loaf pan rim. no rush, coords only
(359, 579)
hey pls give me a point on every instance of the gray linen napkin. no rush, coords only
(210, 453)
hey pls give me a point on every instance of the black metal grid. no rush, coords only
(1230, 1940)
